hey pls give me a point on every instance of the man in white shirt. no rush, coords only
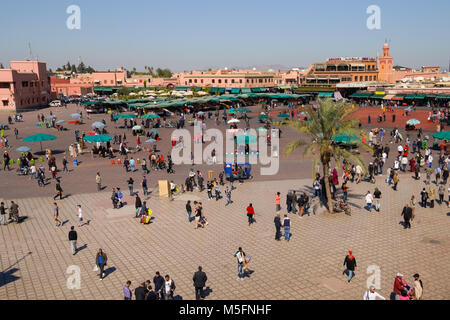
(358, 173)
(372, 295)
(369, 201)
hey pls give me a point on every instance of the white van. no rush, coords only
(55, 103)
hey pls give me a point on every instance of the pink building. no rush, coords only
(67, 88)
(229, 79)
(102, 78)
(24, 85)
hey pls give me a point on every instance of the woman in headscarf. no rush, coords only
(350, 263)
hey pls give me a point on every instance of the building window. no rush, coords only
(112, 81)
(201, 80)
(232, 80)
(356, 78)
(366, 78)
(361, 78)
(370, 78)
(374, 78)
(213, 81)
(240, 80)
(220, 81)
(195, 80)
(24, 84)
(190, 80)
(5, 103)
(105, 81)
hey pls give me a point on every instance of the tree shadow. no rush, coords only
(8, 276)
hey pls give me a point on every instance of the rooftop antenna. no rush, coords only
(31, 53)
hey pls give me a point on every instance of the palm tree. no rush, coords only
(330, 120)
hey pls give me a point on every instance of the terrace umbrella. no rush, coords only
(125, 116)
(413, 122)
(233, 121)
(23, 149)
(283, 115)
(60, 121)
(243, 110)
(346, 138)
(39, 137)
(200, 113)
(232, 110)
(76, 115)
(97, 138)
(50, 117)
(98, 125)
(264, 116)
(246, 139)
(150, 141)
(137, 128)
(150, 116)
(443, 135)
(154, 130)
(261, 129)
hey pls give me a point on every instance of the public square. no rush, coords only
(35, 254)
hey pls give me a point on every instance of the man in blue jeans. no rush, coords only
(287, 227)
(100, 262)
(240, 255)
(350, 263)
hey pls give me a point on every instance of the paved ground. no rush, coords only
(35, 254)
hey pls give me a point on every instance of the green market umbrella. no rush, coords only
(261, 129)
(154, 130)
(413, 122)
(246, 139)
(232, 110)
(243, 110)
(264, 116)
(97, 138)
(283, 115)
(125, 116)
(150, 115)
(346, 138)
(39, 137)
(443, 135)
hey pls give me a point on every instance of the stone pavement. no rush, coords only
(35, 254)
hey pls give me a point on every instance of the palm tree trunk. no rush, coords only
(326, 169)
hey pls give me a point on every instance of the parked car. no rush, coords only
(55, 103)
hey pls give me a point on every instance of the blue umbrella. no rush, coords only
(98, 125)
(23, 149)
(150, 140)
(75, 115)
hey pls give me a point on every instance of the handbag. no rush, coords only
(95, 268)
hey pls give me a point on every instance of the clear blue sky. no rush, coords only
(184, 35)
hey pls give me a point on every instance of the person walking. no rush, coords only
(79, 216)
(424, 197)
(250, 214)
(127, 294)
(432, 196)
(277, 202)
(344, 191)
(228, 196)
(137, 206)
(369, 201)
(14, 212)
(287, 227)
(240, 256)
(412, 205)
(98, 180)
(372, 295)
(418, 287)
(199, 279)
(56, 214)
(168, 288)
(398, 286)
(58, 189)
(396, 180)
(158, 281)
(73, 240)
(277, 222)
(377, 198)
(407, 216)
(350, 263)
(189, 210)
(64, 162)
(441, 192)
(130, 185)
(100, 261)
(3, 214)
(140, 292)
(144, 186)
